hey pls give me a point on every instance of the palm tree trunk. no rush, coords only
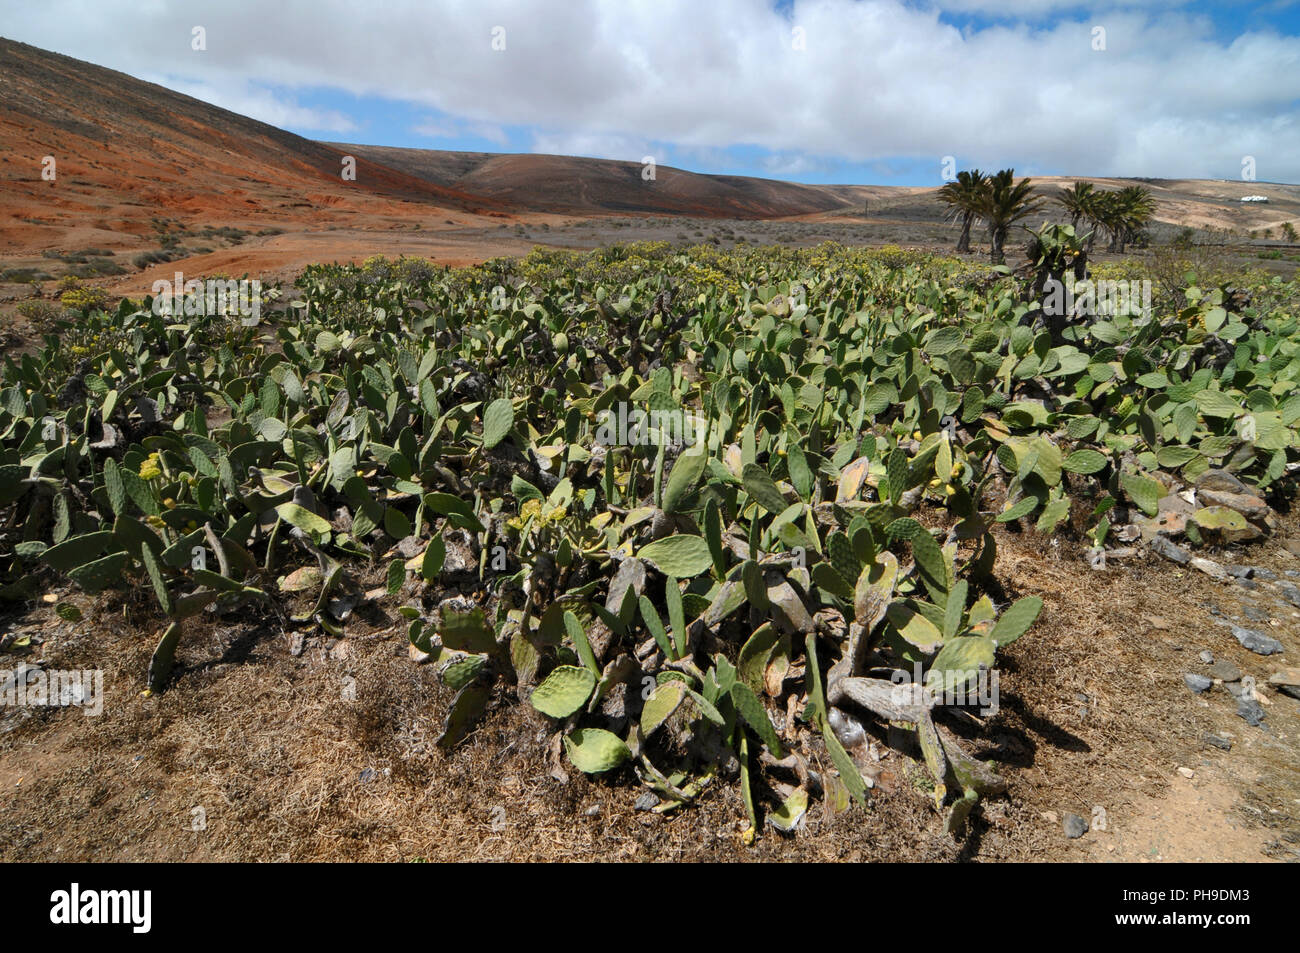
(996, 238)
(963, 240)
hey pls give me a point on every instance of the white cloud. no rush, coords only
(877, 78)
(598, 146)
(259, 104)
(450, 129)
(784, 166)
(1033, 8)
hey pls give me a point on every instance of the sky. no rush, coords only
(889, 92)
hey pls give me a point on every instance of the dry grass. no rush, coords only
(285, 767)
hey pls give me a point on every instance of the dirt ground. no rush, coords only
(255, 754)
(280, 258)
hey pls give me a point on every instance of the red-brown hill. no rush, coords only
(582, 186)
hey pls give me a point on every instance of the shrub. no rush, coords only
(73, 294)
(38, 312)
(147, 258)
(96, 267)
(24, 276)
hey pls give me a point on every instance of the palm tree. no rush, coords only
(1077, 201)
(1123, 214)
(1003, 202)
(1099, 211)
(962, 197)
(1137, 206)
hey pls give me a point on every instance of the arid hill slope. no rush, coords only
(126, 152)
(573, 185)
(143, 171)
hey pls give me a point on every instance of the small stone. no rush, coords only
(297, 644)
(1247, 504)
(1286, 681)
(1075, 826)
(1250, 710)
(1206, 656)
(1266, 574)
(368, 775)
(1198, 683)
(1225, 671)
(1250, 585)
(1255, 613)
(1218, 741)
(1240, 572)
(1187, 773)
(1289, 592)
(646, 802)
(1257, 642)
(1220, 481)
(1127, 533)
(593, 811)
(1210, 568)
(410, 547)
(1170, 550)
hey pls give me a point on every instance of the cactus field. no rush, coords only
(706, 521)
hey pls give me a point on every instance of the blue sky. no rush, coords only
(851, 91)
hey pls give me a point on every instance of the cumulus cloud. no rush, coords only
(445, 128)
(598, 146)
(843, 80)
(1033, 8)
(260, 104)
